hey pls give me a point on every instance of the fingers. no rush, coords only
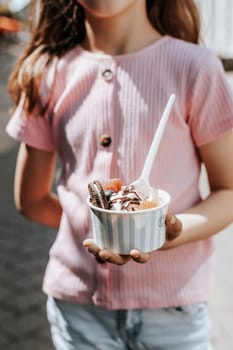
(139, 257)
(93, 249)
(91, 246)
(173, 227)
(114, 258)
(106, 255)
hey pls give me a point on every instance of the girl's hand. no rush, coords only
(174, 228)
(173, 231)
(106, 255)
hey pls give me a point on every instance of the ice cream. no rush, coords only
(113, 196)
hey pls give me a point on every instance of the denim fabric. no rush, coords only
(85, 327)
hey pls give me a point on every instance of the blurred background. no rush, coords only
(24, 245)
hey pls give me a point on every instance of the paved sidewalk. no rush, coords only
(24, 248)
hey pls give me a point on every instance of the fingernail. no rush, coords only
(135, 254)
(173, 220)
(86, 243)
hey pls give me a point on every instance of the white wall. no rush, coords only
(217, 25)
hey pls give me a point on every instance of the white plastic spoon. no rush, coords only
(142, 184)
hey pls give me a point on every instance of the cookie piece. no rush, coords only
(97, 195)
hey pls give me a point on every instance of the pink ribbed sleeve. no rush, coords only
(211, 106)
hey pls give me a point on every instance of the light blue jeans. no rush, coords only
(84, 327)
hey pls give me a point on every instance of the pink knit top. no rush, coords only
(123, 97)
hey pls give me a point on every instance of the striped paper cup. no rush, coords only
(122, 231)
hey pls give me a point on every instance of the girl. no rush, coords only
(91, 87)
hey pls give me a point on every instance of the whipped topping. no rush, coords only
(127, 199)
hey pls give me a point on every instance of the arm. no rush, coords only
(215, 212)
(33, 181)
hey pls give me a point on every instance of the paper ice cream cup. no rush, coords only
(122, 231)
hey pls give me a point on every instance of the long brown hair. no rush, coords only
(58, 25)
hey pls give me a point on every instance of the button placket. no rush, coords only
(108, 73)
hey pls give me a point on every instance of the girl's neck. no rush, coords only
(125, 33)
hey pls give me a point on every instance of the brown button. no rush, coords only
(107, 74)
(105, 140)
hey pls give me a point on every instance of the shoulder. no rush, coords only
(69, 59)
(61, 70)
(191, 64)
(61, 65)
(195, 55)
